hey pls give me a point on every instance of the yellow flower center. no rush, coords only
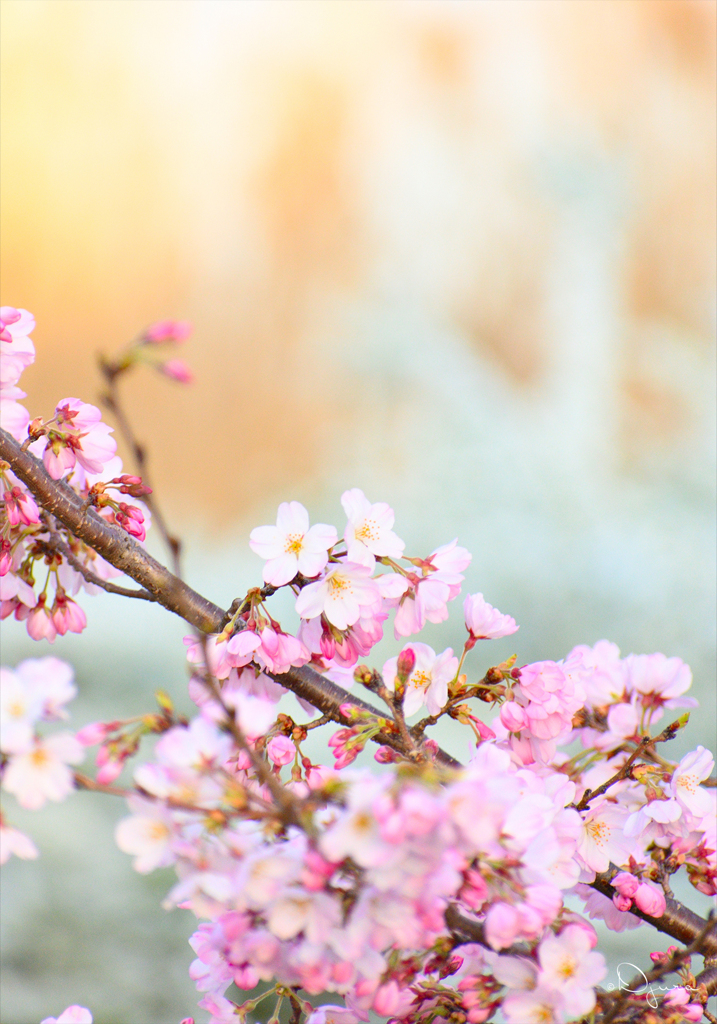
(16, 709)
(421, 680)
(368, 531)
(363, 822)
(690, 782)
(294, 543)
(338, 585)
(567, 967)
(599, 832)
(158, 831)
(39, 757)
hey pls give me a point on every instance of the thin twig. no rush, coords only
(87, 574)
(678, 958)
(112, 400)
(591, 794)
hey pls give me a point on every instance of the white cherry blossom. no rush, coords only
(292, 546)
(368, 531)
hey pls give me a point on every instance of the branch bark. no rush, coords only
(124, 553)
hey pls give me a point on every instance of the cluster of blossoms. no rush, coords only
(35, 768)
(78, 448)
(429, 891)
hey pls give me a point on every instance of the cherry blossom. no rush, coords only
(41, 773)
(343, 594)
(603, 838)
(72, 1015)
(427, 684)
(292, 546)
(368, 532)
(79, 435)
(13, 841)
(17, 351)
(484, 622)
(568, 965)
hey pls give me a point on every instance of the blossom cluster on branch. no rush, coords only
(422, 891)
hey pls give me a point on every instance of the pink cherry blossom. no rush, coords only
(281, 750)
(368, 531)
(513, 716)
(278, 651)
(17, 351)
(569, 966)
(67, 616)
(603, 839)
(625, 883)
(599, 670)
(693, 768)
(328, 1014)
(78, 436)
(427, 598)
(20, 507)
(343, 595)
(13, 841)
(502, 925)
(679, 999)
(39, 622)
(292, 546)
(539, 1006)
(659, 682)
(20, 708)
(427, 683)
(146, 835)
(13, 417)
(484, 622)
(72, 1015)
(41, 773)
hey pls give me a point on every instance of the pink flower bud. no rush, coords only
(502, 925)
(625, 883)
(387, 999)
(650, 900)
(623, 903)
(109, 772)
(5, 557)
(39, 622)
(384, 755)
(281, 750)
(178, 370)
(406, 663)
(168, 330)
(513, 716)
(95, 732)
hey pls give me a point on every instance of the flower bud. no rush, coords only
(650, 900)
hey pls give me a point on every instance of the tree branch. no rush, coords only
(122, 551)
(678, 921)
(112, 588)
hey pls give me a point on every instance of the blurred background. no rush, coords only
(458, 254)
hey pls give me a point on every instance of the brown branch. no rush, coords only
(678, 921)
(668, 966)
(91, 577)
(119, 549)
(623, 773)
